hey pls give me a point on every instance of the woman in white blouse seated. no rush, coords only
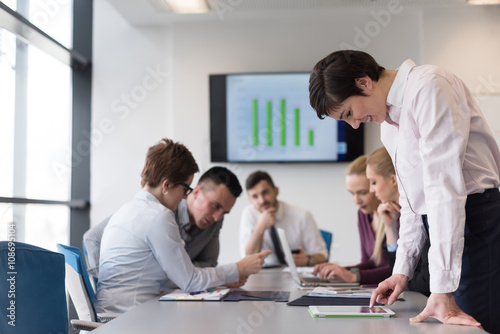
(142, 253)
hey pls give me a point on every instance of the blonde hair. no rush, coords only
(381, 162)
(357, 167)
(379, 240)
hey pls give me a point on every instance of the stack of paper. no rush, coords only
(200, 295)
(341, 292)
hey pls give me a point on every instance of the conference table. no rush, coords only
(248, 317)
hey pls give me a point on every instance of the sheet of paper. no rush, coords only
(200, 295)
(341, 292)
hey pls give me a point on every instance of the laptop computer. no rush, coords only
(302, 280)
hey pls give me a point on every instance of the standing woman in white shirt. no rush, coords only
(447, 164)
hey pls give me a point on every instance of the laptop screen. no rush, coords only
(288, 254)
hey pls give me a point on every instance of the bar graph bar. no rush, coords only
(269, 123)
(283, 123)
(255, 122)
(297, 126)
(294, 124)
(270, 119)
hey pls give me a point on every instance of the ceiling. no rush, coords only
(155, 12)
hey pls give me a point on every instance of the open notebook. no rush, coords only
(301, 280)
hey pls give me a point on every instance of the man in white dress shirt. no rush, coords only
(265, 213)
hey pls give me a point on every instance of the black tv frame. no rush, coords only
(218, 138)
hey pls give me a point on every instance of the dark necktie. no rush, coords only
(277, 245)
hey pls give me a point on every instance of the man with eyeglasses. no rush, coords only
(200, 215)
(199, 218)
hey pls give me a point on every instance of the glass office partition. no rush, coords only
(44, 110)
(7, 114)
(36, 224)
(35, 137)
(54, 17)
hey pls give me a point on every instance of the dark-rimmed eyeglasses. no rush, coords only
(187, 189)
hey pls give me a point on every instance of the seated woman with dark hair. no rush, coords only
(142, 252)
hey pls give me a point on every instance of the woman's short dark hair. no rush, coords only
(332, 80)
(168, 160)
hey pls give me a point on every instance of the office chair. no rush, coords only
(93, 279)
(33, 298)
(80, 291)
(328, 237)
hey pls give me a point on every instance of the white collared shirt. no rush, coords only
(142, 254)
(299, 225)
(442, 150)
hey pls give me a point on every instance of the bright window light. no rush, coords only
(188, 6)
(483, 2)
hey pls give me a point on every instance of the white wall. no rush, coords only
(132, 103)
(287, 44)
(178, 107)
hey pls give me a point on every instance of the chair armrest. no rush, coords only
(105, 317)
(84, 325)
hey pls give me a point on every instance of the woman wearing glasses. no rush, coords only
(142, 253)
(374, 266)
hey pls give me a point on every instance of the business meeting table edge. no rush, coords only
(248, 317)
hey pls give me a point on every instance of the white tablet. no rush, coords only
(350, 311)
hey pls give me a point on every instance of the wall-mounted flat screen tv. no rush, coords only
(266, 117)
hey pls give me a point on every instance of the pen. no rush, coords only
(196, 293)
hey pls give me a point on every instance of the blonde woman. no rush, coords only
(383, 183)
(374, 266)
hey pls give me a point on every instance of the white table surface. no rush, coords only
(249, 317)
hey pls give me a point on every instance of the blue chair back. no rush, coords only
(93, 278)
(327, 236)
(32, 290)
(74, 258)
